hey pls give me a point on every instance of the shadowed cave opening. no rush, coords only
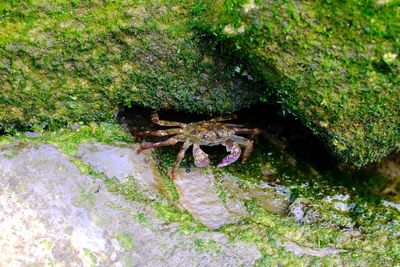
(278, 127)
(280, 130)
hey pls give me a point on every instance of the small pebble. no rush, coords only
(32, 134)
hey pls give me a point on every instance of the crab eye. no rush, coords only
(206, 136)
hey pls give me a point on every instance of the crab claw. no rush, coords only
(200, 157)
(233, 156)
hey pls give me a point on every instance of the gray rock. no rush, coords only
(303, 211)
(320, 252)
(121, 163)
(198, 191)
(52, 214)
(271, 198)
(198, 194)
(32, 134)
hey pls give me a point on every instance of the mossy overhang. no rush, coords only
(333, 64)
(73, 61)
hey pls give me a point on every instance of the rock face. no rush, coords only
(334, 66)
(121, 163)
(197, 190)
(198, 194)
(51, 213)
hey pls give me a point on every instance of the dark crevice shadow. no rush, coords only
(285, 130)
(286, 134)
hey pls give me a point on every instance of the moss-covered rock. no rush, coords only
(72, 60)
(298, 214)
(334, 65)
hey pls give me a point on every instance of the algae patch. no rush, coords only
(125, 240)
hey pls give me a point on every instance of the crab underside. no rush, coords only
(203, 133)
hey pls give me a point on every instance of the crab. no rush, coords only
(203, 133)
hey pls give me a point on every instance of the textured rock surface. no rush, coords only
(51, 213)
(300, 251)
(198, 194)
(334, 65)
(121, 163)
(197, 190)
(59, 206)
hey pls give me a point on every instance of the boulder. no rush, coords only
(333, 65)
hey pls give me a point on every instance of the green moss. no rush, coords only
(341, 213)
(68, 139)
(203, 246)
(46, 244)
(86, 197)
(165, 162)
(71, 61)
(125, 240)
(129, 189)
(90, 257)
(331, 64)
(140, 217)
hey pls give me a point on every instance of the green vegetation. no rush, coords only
(90, 257)
(203, 246)
(68, 139)
(333, 64)
(125, 240)
(63, 61)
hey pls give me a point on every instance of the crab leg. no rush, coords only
(155, 119)
(159, 132)
(225, 118)
(246, 143)
(234, 125)
(181, 154)
(233, 156)
(253, 132)
(200, 157)
(169, 142)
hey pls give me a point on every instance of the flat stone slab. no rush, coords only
(121, 163)
(198, 194)
(51, 213)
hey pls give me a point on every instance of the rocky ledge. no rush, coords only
(83, 196)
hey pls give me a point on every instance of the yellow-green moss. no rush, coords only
(333, 64)
(64, 61)
(125, 240)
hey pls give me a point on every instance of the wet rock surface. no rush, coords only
(54, 214)
(90, 203)
(121, 163)
(198, 194)
(300, 251)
